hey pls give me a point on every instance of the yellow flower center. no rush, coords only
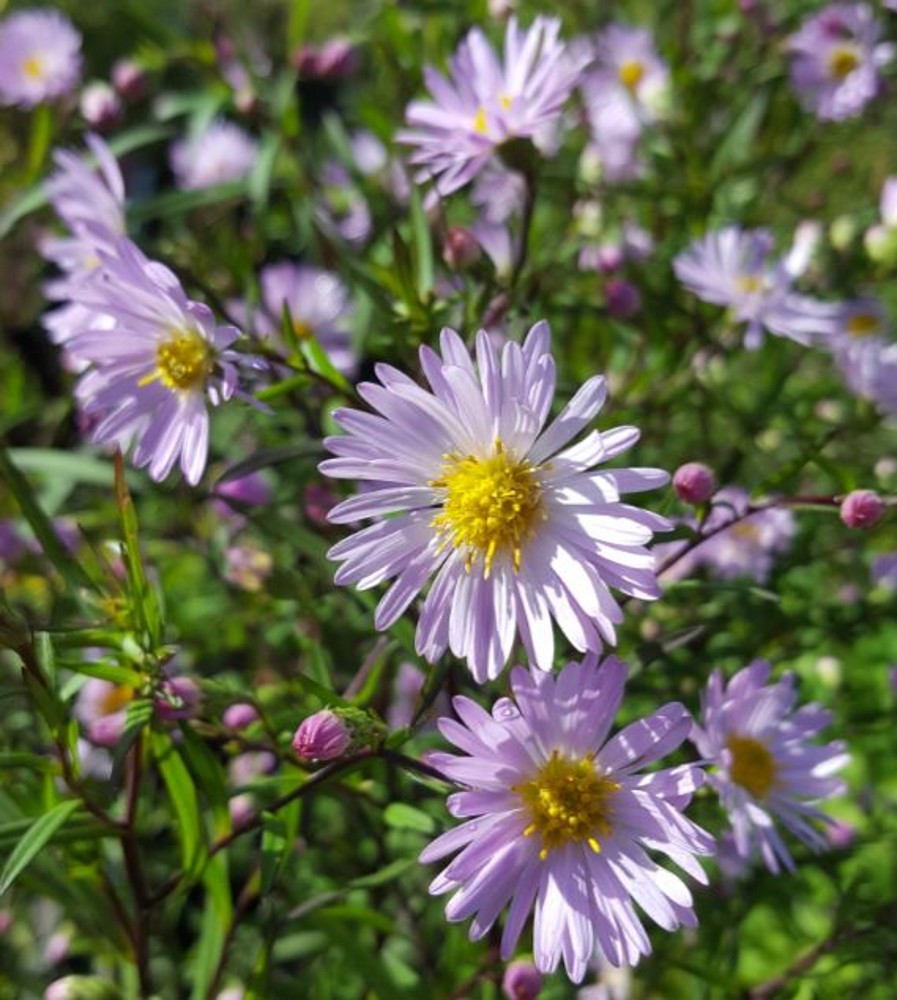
(568, 800)
(842, 62)
(746, 531)
(480, 126)
(750, 284)
(115, 699)
(492, 505)
(862, 325)
(506, 102)
(631, 74)
(33, 67)
(302, 330)
(183, 362)
(753, 766)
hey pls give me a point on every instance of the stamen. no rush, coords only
(753, 766)
(183, 362)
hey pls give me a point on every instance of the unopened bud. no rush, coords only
(100, 106)
(623, 299)
(694, 482)
(332, 732)
(521, 981)
(129, 79)
(239, 716)
(862, 509)
(460, 249)
(178, 699)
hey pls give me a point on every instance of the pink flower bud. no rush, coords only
(107, 730)
(862, 509)
(622, 298)
(322, 736)
(694, 482)
(460, 249)
(178, 699)
(100, 106)
(239, 716)
(129, 79)
(521, 981)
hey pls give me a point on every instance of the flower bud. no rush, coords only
(129, 79)
(622, 298)
(460, 249)
(521, 981)
(862, 509)
(239, 716)
(177, 699)
(694, 482)
(322, 736)
(81, 988)
(100, 106)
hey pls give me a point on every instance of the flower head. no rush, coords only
(155, 361)
(767, 767)
(559, 817)
(487, 101)
(837, 55)
(40, 57)
(221, 153)
(735, 268)
(514, 523)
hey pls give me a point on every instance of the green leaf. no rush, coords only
(401, 816)
(66, 465)
(422, 243)
(67, 566)
(182, 793)
(39, 834)
(216, 919)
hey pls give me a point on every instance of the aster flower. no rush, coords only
(487, 101)
(750, 546)
(319, 305)
(154, 370)
(559, 817)
(222, 152)
(735, 268)
(627, 65)
(767, 767)
(515, 525)
(860, 344)
(40, 57)
(837, 55)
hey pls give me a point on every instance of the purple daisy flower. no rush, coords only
(735, 268)
(319, 304)
(153, 370)
(221, 153)
(836, 58)
(860, 343)
(627, 65)
(40, 57)
(515, 525)
(559, 818)
(488, 101)
(767, 767)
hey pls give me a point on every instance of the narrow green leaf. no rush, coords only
(422, 243)
(401, 816)
(216, 918)
(106, 671)
(182, 793)
(39, 834)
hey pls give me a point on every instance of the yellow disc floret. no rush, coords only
(863, 324)
(183, 362)
(842, 62)
(631, 73)
(568, 802)
(491, 507)
(480, 125)
(33, 67)
(753, 766)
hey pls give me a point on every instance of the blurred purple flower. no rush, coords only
(558, 816)
(341, 206)
(335, 59)
(884, 570)
(101, 708)
(837, 55)
(178, 698)
(154, 371)
(628, 68)
(40, 56)
(487, 101)
(251, 490)
(247, 567)
(222, 152)
(239, 715)
(735, 268)
(767, 768)
(512, 521)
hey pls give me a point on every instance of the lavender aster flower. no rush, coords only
(40, 57)
(487, 101)
(735, 268)
(767, 768)
(152, 373)
(627, 65)
(319, 304)
(513, 522)
(222, 153)
(559, 818)
(836, 58)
